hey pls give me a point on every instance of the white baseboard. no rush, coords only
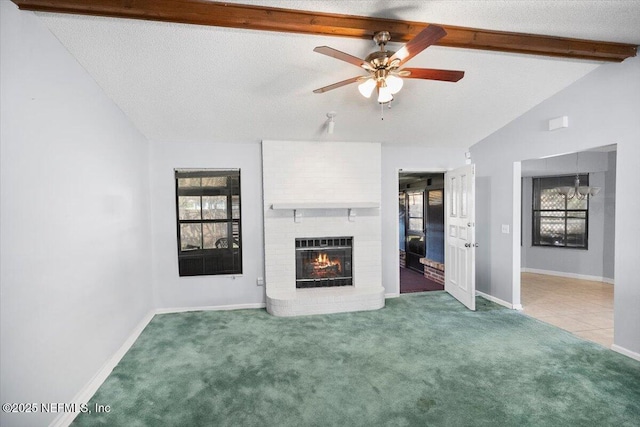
(499, 301)
(626, 352)
(568, 275)
(87, 392)
(392, 295)
(211, 308)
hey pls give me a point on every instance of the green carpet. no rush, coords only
(423, 360)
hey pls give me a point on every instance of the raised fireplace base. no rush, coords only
(300, 302)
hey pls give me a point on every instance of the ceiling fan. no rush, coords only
(384, 65)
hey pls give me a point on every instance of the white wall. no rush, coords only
(603, 108)
(173, 291)
(74, 262)
(409, 158)
(608, 269)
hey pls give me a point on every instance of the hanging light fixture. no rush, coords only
(580, 192)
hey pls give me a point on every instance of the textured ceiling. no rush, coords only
(192, 83)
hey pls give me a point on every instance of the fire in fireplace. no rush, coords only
(322, 262)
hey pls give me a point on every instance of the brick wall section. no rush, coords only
(433, 270)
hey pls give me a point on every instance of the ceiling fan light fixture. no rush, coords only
(366, 88)
(384, 93)
(394, 84)
(383, 65)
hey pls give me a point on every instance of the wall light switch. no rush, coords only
(260, 281)
(505, 228)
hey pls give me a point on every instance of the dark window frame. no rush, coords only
(218, 260)
(560, 180)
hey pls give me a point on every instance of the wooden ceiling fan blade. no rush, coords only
(431, 74)
(334, 53)
(425, 38)
(339, 84)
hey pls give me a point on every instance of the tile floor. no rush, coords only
(582, 307)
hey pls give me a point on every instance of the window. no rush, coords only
(415, 216)
(208, 214)
(558, 221)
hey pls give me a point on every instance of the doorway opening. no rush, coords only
(421, 225)
(567, 246)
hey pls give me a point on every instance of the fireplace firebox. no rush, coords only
(323, 262)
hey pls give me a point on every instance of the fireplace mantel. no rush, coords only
(325, 205)
(349, 206)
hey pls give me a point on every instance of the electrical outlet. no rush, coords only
(260, 281)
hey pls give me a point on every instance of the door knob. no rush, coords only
(475, 245)
(467, 245)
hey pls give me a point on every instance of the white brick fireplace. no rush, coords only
(316, 190)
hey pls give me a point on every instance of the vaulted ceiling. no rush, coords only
(183, 82)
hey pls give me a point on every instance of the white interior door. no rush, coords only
(460, 244)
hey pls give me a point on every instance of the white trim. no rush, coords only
(568, 275)
(211, 308)
(499, 301)
(86, 393)
(516, 227)
(626, 352)
(396, 244)
(328, 205)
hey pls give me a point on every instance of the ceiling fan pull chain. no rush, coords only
(381, 111)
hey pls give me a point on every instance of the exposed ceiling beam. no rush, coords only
(202, 12)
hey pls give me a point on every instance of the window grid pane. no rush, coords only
(556, 221)
(189, 207)
(416, 224)
(214, 181)
(550, 199)
(215, 235)
(190, 237)
(189, 182)
(214, 207)
(416, 205)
